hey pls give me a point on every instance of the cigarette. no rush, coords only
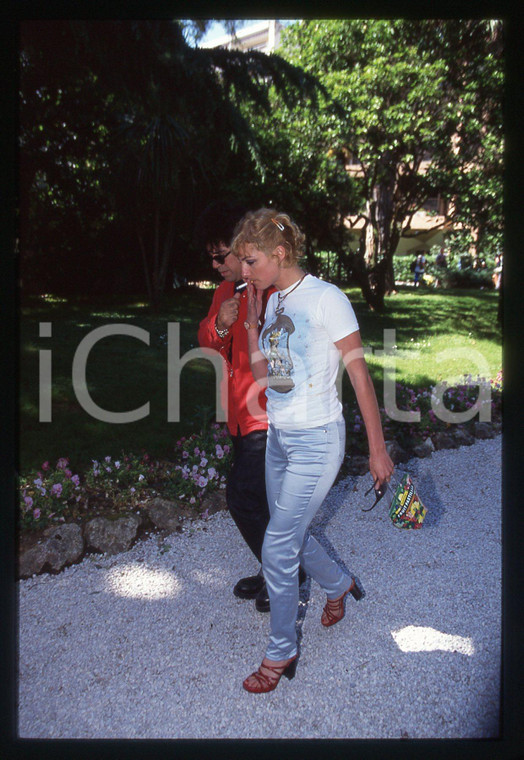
(240, 286)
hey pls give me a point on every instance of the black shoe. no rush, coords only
(262, 598)
(248, 588)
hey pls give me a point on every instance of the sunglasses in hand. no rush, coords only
(379, 493)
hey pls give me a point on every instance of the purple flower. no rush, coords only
(45, 466)
(29, 501)
(76, 480)
(212, 473)
(36, 514)
(38, 482)
(56, 489)
(185, 455)
(202, 482)
(62, 463)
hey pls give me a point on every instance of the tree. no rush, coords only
(400, 97)
(162, 123)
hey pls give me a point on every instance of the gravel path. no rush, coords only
(152, 643)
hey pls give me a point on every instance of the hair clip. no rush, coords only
(279, 224)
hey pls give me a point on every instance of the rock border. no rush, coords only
(68, 544)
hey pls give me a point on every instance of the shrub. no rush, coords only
(466, 278)
(48, 494)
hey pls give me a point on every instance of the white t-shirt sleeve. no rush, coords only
(336, 314)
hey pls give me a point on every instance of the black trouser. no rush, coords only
(246, 489)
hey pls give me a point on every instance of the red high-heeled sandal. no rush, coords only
(334, 608)
(266, 678)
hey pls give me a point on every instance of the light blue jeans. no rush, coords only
(301, 466)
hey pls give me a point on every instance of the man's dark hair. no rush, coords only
(217, 222)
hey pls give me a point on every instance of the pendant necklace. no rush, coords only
(282, 298)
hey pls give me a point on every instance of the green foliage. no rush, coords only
(400, 96)
(126, 132)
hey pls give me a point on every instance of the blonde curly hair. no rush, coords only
(266, 229)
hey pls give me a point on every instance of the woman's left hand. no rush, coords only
(381, 467)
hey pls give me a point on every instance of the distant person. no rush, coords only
(497, 271)
(441, 262)
(420, 268)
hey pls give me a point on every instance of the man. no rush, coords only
(223, 330)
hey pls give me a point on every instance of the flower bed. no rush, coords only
(199, 467)
(431, 407)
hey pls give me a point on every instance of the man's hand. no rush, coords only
(228, 312)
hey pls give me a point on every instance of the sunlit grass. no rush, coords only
(123, 373)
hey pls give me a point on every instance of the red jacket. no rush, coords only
(246, 400)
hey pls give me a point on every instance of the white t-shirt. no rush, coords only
(302, 359)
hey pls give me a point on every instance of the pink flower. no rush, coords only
(45, 466)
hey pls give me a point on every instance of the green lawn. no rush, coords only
(440, 335)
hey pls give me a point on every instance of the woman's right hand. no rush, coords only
(254, 303)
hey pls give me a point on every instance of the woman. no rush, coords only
(296, 353)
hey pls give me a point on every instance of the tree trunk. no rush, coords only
(368, 282)
(146, 267)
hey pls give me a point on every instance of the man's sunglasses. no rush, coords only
(220, 256)
(379, 493)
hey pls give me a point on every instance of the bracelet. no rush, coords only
(221, 333)
(250, 325)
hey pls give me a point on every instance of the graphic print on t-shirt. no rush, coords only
(276, 344)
